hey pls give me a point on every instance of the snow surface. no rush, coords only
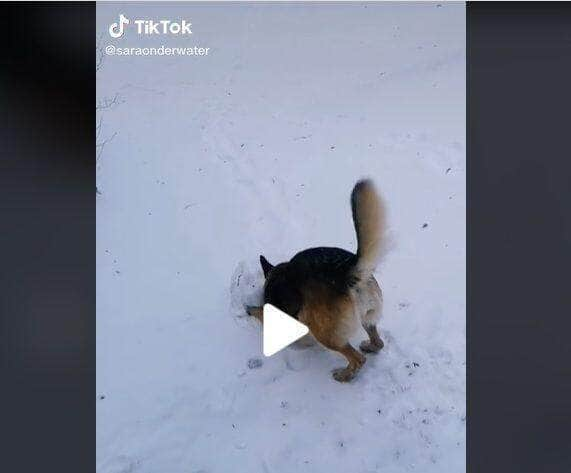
(208, 162)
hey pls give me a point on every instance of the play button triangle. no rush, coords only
(279, 330)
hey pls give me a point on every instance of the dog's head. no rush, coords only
(281, 288)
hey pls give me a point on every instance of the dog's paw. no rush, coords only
(367, 346)
(344, 375)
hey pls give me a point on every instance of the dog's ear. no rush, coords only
(266, 266)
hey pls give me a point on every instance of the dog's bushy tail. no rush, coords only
(369, 217)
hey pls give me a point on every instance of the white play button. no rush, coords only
(280, 330)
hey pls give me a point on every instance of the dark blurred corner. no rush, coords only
(47, 228)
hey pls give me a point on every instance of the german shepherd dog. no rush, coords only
(333, 290)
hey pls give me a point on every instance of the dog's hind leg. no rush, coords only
(356, 361)
(375, 343)
(328, 331)
(331, 320)
(336, 340)
(370, 315)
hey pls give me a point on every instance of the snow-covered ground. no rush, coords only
(208, 162)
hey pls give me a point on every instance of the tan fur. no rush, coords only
(332, 319)
(329, 316)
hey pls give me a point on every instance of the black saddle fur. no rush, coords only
(325, 265)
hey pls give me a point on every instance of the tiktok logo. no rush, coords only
(151, 27)
(116, 30)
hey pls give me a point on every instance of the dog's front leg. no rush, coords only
(255, 311)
